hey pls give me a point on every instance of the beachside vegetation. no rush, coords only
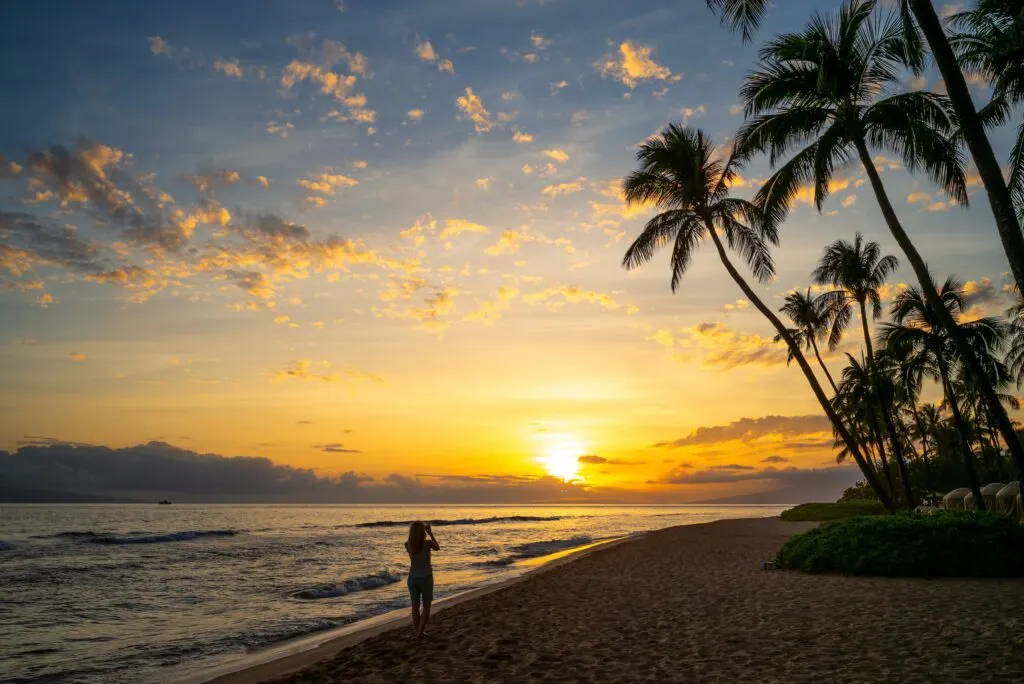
(921, 408)
(940, 544)
(822, 512)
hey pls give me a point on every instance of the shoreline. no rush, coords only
(692, 603)
(293, 655)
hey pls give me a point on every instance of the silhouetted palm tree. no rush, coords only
(1015, 345)
(811, 316)
(859, 270)
(856, 400)
(916, 332)
(679, 173)
(821, 92)
(987, 14)
(746, 16)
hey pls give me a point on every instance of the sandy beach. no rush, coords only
(692, 604)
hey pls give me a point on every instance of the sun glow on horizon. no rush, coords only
(561, 458)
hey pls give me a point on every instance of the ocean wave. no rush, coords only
(137, 537)
(535, 550)
(349, 586)
(463, 521)
(5, 546)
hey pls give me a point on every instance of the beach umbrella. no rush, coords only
(1007, 501)
(955, 499)
(989, 492)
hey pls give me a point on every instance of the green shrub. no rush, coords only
(820, 512)
(861, 491)
(943, 544)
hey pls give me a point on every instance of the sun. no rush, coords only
(561, 459)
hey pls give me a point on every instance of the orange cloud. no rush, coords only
(634, 63)
(230, 68)
(473, 107)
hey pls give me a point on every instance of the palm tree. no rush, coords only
(972, 125)
(858, 271)
(1015, 351)
(811, 317)
(679, 173)
(746, 16)
(823, 90)
(856, 398)
(916, 331)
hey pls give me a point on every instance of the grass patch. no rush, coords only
(821, 512)
(944, 544)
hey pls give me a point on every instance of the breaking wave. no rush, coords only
(462, 521)
(534, 550)
(139, 537)
(349, 586)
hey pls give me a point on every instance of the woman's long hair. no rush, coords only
(417, 537)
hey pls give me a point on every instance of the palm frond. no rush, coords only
(741, 15)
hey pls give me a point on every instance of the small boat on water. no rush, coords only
(164, 502)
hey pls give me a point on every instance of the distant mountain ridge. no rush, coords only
(19, 495)
(774, 497)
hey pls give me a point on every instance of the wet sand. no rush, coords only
(691, 604)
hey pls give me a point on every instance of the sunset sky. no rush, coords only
(384, 238)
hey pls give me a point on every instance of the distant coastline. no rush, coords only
(9, 495)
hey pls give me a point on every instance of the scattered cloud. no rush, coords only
(521, 137)
(560, 156)
(561, 189)
(336, 448)
(425, 51)
(229, 67)
(634, 63)
(688, 112)
(308, 370)
(457, 226)
(778, 428)
(414, 114)
(473, 108)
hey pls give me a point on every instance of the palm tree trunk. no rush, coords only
(876, 432)
(974, 133)
(867, 333)
(897, 453)
(826, 406)
(883, 405)
(924, 443)
(835, 390)
(965, 439)
(970, 360)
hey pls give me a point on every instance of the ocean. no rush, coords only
(140, 593)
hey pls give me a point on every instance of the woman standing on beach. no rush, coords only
(421, 573)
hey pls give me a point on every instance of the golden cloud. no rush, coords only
(560, 156)
(634, 63)
(414, 114)
(303, 370)
(560, 189)
(457, 226)
(280, 129)
(326, 183)
(472, 106)
(521, 137)
(229, 67)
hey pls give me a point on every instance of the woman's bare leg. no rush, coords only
(416, 616)
(424, 619)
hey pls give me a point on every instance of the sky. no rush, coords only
(383, 240)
